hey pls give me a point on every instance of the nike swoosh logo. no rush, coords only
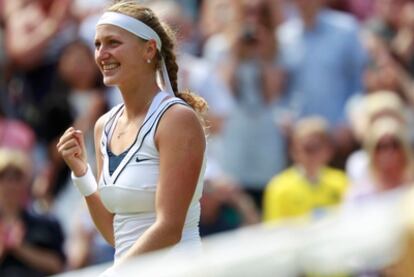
(138, 160)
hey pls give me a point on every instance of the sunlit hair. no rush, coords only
(167, 36)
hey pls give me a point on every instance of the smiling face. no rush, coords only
(119, 55)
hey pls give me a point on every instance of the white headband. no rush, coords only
(141, 30)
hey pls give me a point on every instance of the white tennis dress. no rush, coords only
(130, 192)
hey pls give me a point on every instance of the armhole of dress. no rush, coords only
(108, 125)
(167, 105)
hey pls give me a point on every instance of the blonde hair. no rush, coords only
(313, 125)
(167, 36)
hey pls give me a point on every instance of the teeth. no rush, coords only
(109, 66)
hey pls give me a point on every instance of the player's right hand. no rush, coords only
(71, 147)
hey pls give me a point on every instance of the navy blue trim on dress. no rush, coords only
(169, 104)
(124, 153)
(111, 118)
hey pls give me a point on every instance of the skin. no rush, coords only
(314, 161)
(308, 9)
(181, 152)
(30, 29)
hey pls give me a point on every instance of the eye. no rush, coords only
(97, 44)
(114, 42)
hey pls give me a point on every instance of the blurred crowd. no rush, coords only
(310, 109)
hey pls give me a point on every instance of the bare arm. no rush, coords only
(72, 148)
(25, 45)
(181, 144)
(41, 259)
(102, 218)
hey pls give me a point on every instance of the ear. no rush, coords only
(150, 50)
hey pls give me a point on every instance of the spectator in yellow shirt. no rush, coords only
(309, 187)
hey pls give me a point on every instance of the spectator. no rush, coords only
(252, 145)
(322, 53)
(30, 245)
(390, 161)
(362, 113)
(309, 187)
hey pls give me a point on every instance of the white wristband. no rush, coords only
(86, 184)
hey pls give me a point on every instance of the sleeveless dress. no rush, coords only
(129, 192)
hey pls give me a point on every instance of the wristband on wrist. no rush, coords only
(86, 184)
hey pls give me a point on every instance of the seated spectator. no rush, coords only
(362, 113)
(309, 187)
(390, 161)
(30, 245)
(389, 176)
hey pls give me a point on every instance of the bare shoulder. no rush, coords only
(178, 114)
(181, 121)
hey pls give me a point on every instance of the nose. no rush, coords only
(101, 54)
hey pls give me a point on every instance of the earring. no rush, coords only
(149, 61)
